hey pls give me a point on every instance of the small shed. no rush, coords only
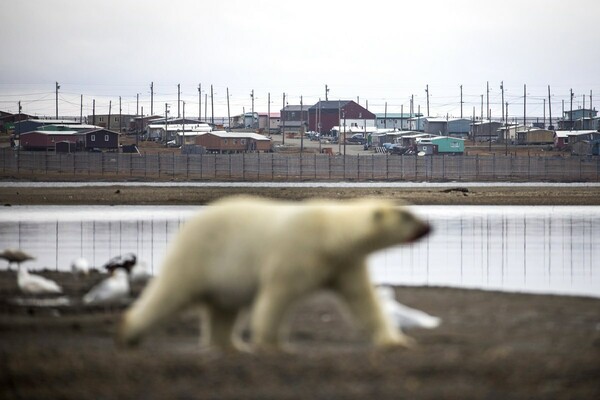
(449, 145)
(102, 139)
(535, 136)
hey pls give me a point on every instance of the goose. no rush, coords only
(126, 261)
(80, 266)
(15, 255)
(402, 316)
(139, 273)
(36, 284)
(111, 290)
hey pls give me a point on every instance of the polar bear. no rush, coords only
(262, 255)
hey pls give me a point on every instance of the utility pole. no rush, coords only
(385, 117)
(19, 129)
(283, 121)
(151, 98)
(228, 113)
(506, 133)
(544, 113)
(109, 112)
(137, 104)
(487, 99)
(301, 126)
(252, 97)
(212, 106)
(178, 99)
(502, 89)
(81, 110)
(401, 117)
(525, 105)
(481, 108)
(166, 124)
(120, 116)
(461, 102)
(199, 102)
(326, 92)
(268, 113)
(571, 112)
(427, 92)
(57, 87)
(551, 127)
(205, 107)
(183, 125)
(94, 112)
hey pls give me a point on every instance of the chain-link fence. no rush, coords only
(294, 167)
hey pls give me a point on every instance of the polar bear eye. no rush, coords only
(378, 215)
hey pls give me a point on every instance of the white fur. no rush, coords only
(264, 255)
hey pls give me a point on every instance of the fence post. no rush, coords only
(357, 167)
(316, 165)
(387, 166)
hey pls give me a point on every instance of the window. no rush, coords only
(116, 119)
(93, 138)
(106, 138)
(243, 141)
(234, 141)
(101, 119)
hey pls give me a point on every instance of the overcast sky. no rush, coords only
(377, 51)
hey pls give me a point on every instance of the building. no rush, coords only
(447, 126)
(36, 124)
(140, 124)
(484, 131)
(115, 122)
(233, 142)
(580, 119)
(324, 115)
(102, 139)
(47, 140)
(397, 121)
(269, 123)
(449, 144)
(8, 120)
(294, 119)
(535, 136)
(166, 132)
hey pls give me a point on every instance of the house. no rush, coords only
(102, 139)
(579, 119)
(416, 123)
(324, 115)
(447, 126)
(7, 120)
(233, 142)
(484, 131)
(294, 119)
(35, 124)
(269, 123)
(561, 139)
(141, 123)
(181, 133)
(509, 131)
(535, 136)
(117, 122)
(392, 121)
(47, 140)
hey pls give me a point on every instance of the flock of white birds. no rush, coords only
(111, 290)
(127, 269)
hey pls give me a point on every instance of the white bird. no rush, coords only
(111, 290)
(404, 317)
(15, 255)
(80, 266)
(36, 284)
(139, 273)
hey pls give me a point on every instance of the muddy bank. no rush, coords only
(490, 345)
(124, 195)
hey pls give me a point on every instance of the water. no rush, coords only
(540, 249)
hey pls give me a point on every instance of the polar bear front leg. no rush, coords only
(267, 314)
(354, 286)
(220, 327)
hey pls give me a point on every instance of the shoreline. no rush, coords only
(115, 193)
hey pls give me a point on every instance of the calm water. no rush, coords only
(532, 249)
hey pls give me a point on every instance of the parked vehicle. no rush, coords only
(357, 138)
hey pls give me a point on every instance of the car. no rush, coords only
(357, 138)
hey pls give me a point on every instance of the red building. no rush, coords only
(47, 140)
(329, 113)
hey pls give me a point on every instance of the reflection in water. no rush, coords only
(534, 249)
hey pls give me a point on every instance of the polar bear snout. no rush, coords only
(422, 230)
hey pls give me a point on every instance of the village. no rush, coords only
(328, 127)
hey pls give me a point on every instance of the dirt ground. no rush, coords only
(490, 345)
(138, 195)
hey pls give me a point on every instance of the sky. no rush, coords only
(377, 52)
